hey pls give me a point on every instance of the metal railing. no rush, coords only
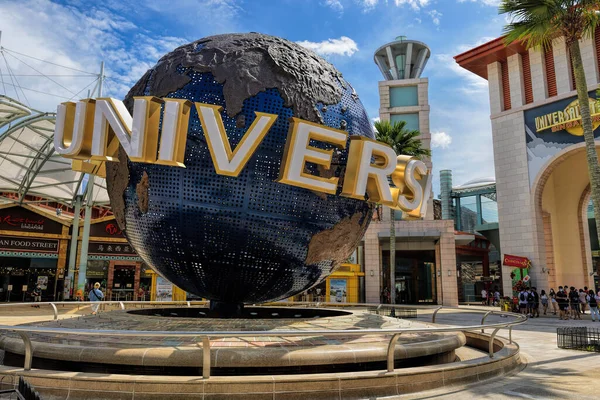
(206, 337)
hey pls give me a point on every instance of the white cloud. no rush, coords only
(344, 46)
(368, 4)
(494, 3)
(440, 139)
(79, 39)
(435, 16)
(335, 5)
(445, 64)
(414, 4)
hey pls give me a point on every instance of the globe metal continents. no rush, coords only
(244, 239)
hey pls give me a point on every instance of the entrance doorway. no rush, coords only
(415, 276)
(123, 282)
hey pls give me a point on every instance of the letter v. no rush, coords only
(229, 162)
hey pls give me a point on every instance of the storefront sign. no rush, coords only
(111, 249)
(83, 128)
(551, 128)
(569, 119)
(96, 269)
(106, 229)
(515, 261)
(22, 220)
(26, 244)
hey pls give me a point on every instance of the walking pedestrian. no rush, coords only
(563, 303)
(544, 300)
(574, 298)
(553, 302)
(582, 300)
(594, 299)
(37, 296)
(535, 312)
(96, 295)
(523, 302)
(530, 302)
(484, 297)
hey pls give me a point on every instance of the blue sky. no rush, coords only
(130, 36)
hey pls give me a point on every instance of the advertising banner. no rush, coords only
(42, 281)
(337, 290)
(67, 288)
(553, 127)
(164, 289)
(515, 261)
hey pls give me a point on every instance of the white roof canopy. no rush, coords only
(28, 162)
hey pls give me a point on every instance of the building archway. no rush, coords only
(561, 193)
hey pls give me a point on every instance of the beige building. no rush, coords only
(425, 269)
(541, 171)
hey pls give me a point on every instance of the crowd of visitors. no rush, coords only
(567, 302)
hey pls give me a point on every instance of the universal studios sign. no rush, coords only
(91, 130)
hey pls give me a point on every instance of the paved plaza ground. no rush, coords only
(549, 372)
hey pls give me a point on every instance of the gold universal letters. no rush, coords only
(89, 132)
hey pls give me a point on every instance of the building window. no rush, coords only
(412, 120)
(550, 72)
(405, 96)
(505, 85)
(527, 78)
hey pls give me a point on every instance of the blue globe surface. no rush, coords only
(244, 239)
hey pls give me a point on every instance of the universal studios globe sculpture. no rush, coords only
(244, 239)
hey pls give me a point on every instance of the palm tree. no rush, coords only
(535, 23)
(404, 142)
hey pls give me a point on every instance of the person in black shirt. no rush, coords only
(563, 303)
(574, 298)
(535, 312)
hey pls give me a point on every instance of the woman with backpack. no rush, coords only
(593, 303)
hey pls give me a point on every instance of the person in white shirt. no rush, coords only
(484, 297)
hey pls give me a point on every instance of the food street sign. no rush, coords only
(516, 261)
(92, 129)
(569, 119)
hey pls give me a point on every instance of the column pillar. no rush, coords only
(136, 279)
(86, 232)
(110, 279)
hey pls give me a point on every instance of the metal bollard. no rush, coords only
(434, 314)
(28, 350)
(483, 320)
(390, 352)
(206, 357)
(188, 304)
(510, 334)
(55, 310)
(492, 342)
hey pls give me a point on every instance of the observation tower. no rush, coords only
(402, 59)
